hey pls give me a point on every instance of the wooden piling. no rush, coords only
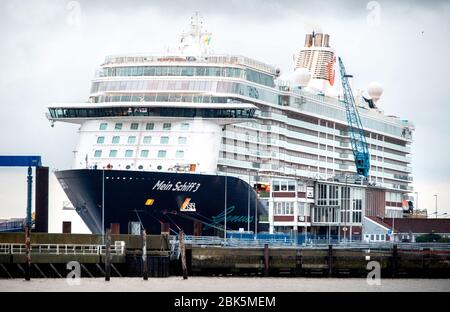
(266, 260)
(27, 253)
(108, 255)
(144, 256)
(394, 263)
(330, 260)
(298, 262)
(183, 256)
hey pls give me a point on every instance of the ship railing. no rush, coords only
(62, 249)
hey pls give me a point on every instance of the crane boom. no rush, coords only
(355, 127)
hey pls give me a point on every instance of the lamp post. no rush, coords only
(417, 200)
(393, 227)
(248, 203)
(435, 195)
(256, 207)
(103, 205)
(225, 204)
(345, 209)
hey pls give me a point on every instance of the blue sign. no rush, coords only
(389, 232)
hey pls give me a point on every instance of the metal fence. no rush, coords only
(63, 249)
(279, 241)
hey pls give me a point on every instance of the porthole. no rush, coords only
(128, 167)
(141, 167)
(159, 167)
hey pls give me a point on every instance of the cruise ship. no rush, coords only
(205, 143)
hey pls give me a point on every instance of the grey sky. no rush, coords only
(45, 59)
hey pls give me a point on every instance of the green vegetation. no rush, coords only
(432, 238)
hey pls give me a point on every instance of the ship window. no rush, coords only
(147, 140)
(131, 139)
(103, 126)
(184, 126)
(162, 154)
(98, 153)
(179, 154)
(149, 126)
(115, 140)
(164, 140)
(129, 153)
(144, 153)
(118, 126)
(182, 140)
(167, 126)
(113, 153)
(100, 140)
(134, 126)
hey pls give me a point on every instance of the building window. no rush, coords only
(134, 126)
(283, 208)
(131, 139)
(101, 140)
(150, 126)
(129, 153)
(98, 153)
(291, 186)
(147, 140)
(164, 140)
(182, 140)
(103, 126)
(118, 126)
(115, 140)
(276, 185)
(162, 154)
(184, 126)
(144, 153)
(179, 154)
(113, 153)
(167, 126)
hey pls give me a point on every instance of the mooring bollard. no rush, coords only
(108, 255)
(183, 256)
(144, 256)
(27, 253)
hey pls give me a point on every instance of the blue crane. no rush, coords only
(23, 161)
(355, 127)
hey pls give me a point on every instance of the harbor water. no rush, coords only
(227, 284)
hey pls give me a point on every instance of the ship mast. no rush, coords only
(195, 41)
